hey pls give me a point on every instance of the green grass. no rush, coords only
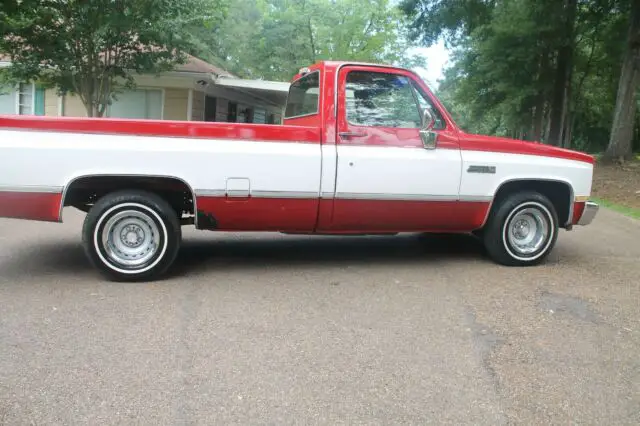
(598, 155)
(628, 211)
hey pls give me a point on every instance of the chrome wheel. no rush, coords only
(528, 230)
(130, 238)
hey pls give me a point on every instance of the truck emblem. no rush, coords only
(482, 169)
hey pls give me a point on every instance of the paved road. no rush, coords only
(279, 329)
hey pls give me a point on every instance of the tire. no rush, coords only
(524, 217)
(131, 235)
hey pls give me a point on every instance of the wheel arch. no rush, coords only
(559, 191)
(126, 181)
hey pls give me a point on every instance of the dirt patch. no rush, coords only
(619, 184)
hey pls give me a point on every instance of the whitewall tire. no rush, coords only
(131, 235)
(522, 230)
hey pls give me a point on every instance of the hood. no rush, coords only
(475, 142)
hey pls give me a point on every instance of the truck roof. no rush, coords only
(338, 64)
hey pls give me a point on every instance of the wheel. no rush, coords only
(522, 230)
(131, 235)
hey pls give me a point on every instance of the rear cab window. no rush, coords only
(304, 96)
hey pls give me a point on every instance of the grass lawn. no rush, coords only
(618, 187)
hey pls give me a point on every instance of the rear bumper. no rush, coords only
(589, 213)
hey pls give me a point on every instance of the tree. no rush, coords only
(558, 115)
(622, 131)
(545, 70)
(272, 39)
(93, 48)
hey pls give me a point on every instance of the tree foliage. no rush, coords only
(93, 48)
(272, 39)
(535, 69)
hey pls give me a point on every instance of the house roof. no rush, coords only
(194, 64)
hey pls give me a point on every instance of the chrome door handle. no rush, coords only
(352, 134)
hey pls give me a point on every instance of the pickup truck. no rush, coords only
(362, 149)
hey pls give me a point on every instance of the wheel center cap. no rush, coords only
(132, 236)
(521, 229)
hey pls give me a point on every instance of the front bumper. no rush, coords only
(589, 213)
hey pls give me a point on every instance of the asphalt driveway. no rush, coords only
(271, 329)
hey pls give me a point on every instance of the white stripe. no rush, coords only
(522, 167)
(47, 161)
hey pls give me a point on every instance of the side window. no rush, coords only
(303, 96)
(377, 99)
(425, 103)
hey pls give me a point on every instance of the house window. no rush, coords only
(24, 99)
(7, 101)
(260, 116)
(140, 104)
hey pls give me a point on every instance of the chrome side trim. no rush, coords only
(476, 198)
(210, 192)
(32, 189)
(258, 194)
(285, 194)
(410, 197)
(400, 197)
(347, 196)
(590, 211)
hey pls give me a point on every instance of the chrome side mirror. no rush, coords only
(428, 136)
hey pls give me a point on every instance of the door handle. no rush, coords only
(352, 134)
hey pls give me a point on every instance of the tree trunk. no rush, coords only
(563, 75)
(567, 132)
(625, 110)
(547, 123)
(537, 127)
(538, 118)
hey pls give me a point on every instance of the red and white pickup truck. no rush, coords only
(363, 149)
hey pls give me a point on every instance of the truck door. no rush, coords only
(387, 179)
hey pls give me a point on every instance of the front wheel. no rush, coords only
(522, 230)
(131, 235)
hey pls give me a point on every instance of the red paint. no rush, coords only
(165, 128)
(261, 214)
(408, 216)
(578, 210)
(348, 216)
(30, 205)
(471, 142)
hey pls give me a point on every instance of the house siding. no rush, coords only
(73, 107)
(51, 102)
(176, 104)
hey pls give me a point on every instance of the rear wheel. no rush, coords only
(131, 235)
(522, 230)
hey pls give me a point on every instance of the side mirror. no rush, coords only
(428, 136)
